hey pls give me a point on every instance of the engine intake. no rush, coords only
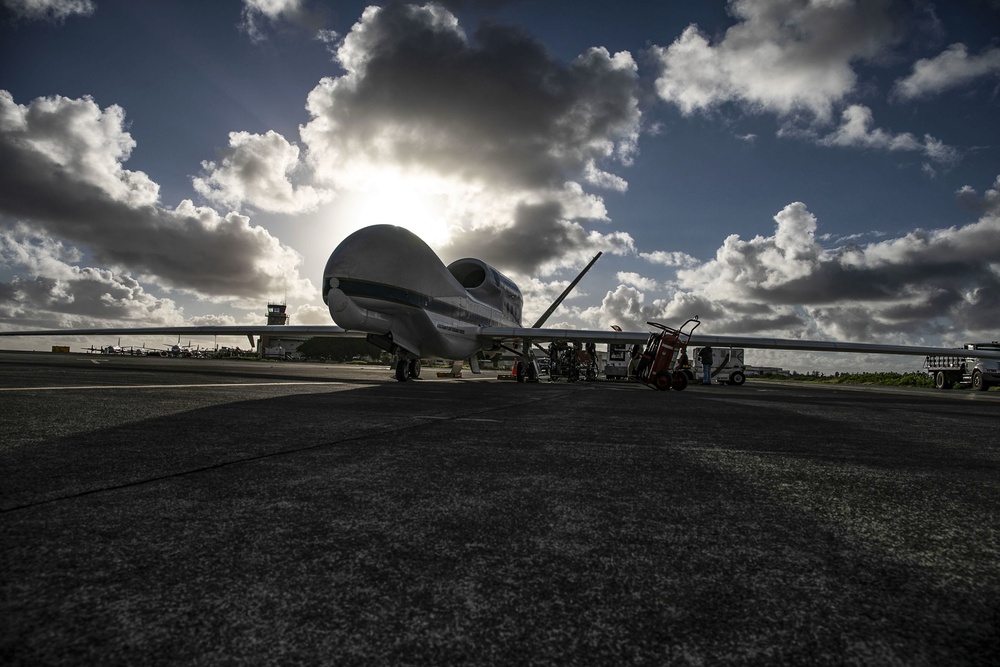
(488, 285)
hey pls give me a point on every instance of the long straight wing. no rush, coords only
(510, 333)
(629, 337)
(834, 346)
(227, 330)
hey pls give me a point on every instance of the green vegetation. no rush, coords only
(914, 379)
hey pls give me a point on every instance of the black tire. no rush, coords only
(662, 381)
(680, 381)
(737, 378)
(978, 383)
(414, 368)
(941, 380)
(401, 370)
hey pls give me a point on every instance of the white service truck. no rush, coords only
(727, 365)
(949, 370)
(618, 357)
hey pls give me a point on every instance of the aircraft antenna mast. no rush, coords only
(555, 304)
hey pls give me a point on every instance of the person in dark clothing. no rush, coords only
(705, 357)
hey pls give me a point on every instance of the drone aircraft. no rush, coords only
(385, 283)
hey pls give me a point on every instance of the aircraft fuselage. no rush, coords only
(386, 281)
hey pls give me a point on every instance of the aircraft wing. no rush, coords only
(834, 346)
(749, 342)
(227, 330)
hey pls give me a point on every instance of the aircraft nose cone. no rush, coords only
(388, 255)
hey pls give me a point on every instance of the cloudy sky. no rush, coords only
(791, 168)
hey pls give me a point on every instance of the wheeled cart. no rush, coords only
(654, 367)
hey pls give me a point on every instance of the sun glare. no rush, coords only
(403, 204)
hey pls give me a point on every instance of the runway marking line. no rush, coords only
(458, 419)
(166, 386)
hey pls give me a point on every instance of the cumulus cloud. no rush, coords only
(54, 10)
(952, 68)
(310, 314)
(904, 287)
(856, 131)
(257, 170)
(259, 15)
(987, 204)
(783, 56)
(624, 307)
(634, 279)
(796, 59)
(64, 175)
(484, 120)
(77, 140)
(674, 258)
(50, 289)
(913, 288)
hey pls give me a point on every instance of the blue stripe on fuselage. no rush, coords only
(398, 295)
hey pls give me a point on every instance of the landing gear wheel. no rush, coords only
(978, 383)
(680, 382)
(414, 369)
(662, 381)
(401, 370)
(737, 378)
(941, 381)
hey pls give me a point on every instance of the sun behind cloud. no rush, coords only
(400, 200)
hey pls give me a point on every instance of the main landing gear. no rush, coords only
(407, 369)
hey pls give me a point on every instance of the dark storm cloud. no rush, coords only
(499, 109)
(538, 237)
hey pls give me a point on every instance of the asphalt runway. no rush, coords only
(187, 511)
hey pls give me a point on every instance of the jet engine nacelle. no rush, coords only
(488, 285)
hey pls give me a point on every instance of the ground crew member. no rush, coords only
(705, 357)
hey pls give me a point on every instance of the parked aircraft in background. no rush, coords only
(110, 349)
(178, 350)
(384, 282)
(133, 350)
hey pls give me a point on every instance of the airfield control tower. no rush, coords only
(276, 314)
(275, 347)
